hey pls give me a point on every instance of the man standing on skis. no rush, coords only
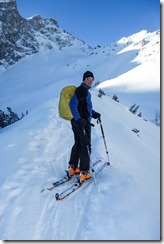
(81, 109)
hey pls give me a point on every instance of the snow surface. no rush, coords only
(35, 151)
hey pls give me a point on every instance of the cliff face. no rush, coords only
(20, 37)
(14, 30)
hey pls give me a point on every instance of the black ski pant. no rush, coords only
(79, 153)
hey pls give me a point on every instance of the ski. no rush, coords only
(65, 179)
(57, 183)
(68, 191)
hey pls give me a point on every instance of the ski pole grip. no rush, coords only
(98, 120)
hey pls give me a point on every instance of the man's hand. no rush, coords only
(96, 115)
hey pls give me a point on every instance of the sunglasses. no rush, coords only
(89, 79)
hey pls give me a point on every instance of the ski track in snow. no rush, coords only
(42, 166)
(40, 147)
(82, 216)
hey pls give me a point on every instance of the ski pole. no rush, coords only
(99, 120)
(90, 161)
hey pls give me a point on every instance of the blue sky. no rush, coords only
(97, 22)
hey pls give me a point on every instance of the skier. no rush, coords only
(81, 109)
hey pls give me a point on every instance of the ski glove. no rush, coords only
(83, 122)
(96, 115)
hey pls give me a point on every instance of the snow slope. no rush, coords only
(33, 156)
(127, 68)
(35, 152)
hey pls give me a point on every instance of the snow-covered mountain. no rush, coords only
(35, 150)
(34, 153)
(131, 65)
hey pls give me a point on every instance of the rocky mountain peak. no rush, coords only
(20, 37)
(8, 4)
(8, 11)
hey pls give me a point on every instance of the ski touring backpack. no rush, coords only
(65, 97)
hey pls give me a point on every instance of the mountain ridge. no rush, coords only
(128, 65)
(21, 37)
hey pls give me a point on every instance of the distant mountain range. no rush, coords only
(20, 37)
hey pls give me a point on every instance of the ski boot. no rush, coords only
(73, 170)
(84, 175)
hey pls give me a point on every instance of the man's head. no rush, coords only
(88, 78)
